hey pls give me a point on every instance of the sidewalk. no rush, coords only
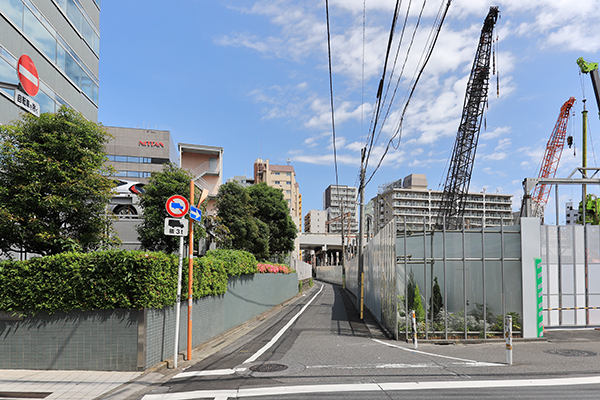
(76, 385)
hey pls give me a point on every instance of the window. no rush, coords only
(277, 182)
(42, 34)
(212, 164)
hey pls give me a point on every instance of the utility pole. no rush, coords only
(343, 241)
(361, 227)
(584, 202)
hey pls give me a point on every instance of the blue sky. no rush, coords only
(252, 77)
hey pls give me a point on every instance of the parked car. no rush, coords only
(125, 200)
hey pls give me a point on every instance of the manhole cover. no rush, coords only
(268, 368)
(571, 353)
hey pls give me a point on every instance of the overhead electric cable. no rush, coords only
(331, 93)
(432, 40)
(376, 110)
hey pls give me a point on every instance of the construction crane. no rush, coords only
(456, 188)
(551, 158)
(592, 69)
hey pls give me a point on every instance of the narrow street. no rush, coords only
(317, 347)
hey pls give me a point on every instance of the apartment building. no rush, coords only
(281, 177)
(206, 166)
(338, 199)
(314, 221)
(412, 202)
(62, 38)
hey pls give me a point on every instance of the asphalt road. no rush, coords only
(317, 347)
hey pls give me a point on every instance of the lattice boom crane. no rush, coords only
(554, 150)
(463, 154)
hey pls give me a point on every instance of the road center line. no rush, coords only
(281, 332)
(472, 362)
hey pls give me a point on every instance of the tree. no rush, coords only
(53, 184)
(237, 213)
(272, 209)
(436, 302)
(170, 181)
(418, 305)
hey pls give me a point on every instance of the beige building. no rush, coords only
(206, 165)
(314, 221)
(136, 153)
(281, 177)
(413, 203)
(338, 199)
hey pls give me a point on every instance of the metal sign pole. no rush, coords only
(190, 277)
(178, 302)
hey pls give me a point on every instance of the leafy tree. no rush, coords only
(272, 209)
(170, 181)
(436, 302)
(237, 213)
(53, 184)
(418, 306)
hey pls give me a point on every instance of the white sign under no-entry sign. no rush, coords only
(27, 103)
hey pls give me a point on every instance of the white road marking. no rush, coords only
(469, 362)
(371, 387)
(217, 372)
(213, 372)
(374, 366)
(281, 332)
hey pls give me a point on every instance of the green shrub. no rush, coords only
(113, 279)
(86, 281)
(237, 262)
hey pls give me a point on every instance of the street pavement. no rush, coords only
(316, 346)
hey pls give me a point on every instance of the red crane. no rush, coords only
(554, 150)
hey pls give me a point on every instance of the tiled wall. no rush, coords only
(129, 340)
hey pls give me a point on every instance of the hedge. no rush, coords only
(112, 279)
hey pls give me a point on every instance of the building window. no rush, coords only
(40, 32)
(277, 182)
(81, 22)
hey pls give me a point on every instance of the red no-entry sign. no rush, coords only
(28, 75)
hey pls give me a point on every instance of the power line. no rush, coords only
(425, 57)
(331, 92)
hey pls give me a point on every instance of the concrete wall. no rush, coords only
(303, 269)
(129, 340)
(331, 274)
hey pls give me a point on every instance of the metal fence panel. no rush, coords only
(460, 283)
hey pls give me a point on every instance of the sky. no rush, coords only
(253, 77)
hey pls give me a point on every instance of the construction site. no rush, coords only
(453, 264)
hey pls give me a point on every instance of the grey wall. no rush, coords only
(129, 340)
(102, 340)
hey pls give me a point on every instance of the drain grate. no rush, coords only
(571, 353)
(268, 368)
